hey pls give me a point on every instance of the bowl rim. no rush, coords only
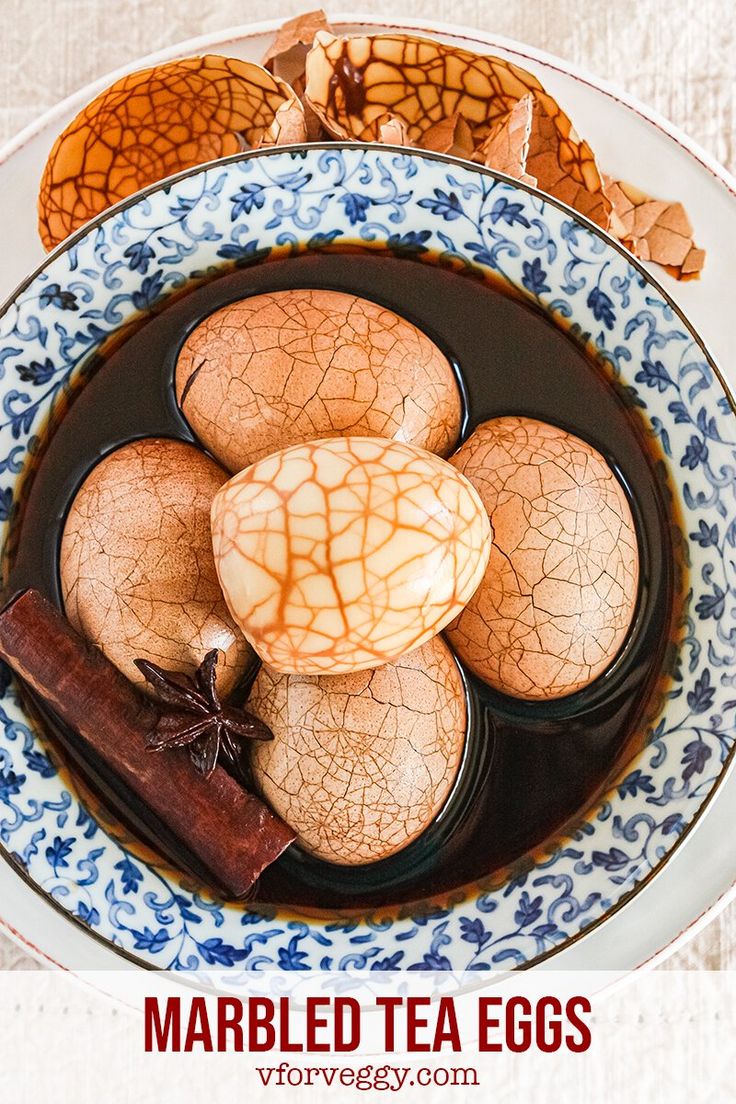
(465, 891)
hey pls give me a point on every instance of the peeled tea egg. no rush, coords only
(361, 763)
(292, 366)
(137, 573)
(560, 590)
(344, 554)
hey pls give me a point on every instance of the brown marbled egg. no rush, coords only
(137, 571)
(360, 764)
(559, 593)
(286, 367)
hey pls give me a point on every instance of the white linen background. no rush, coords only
(676, 55)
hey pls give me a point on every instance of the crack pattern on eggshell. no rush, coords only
(155, 122)
(560, 590)
(137, 572)
(361, 763)
(344, 554)
(452, 100)
(290, 366)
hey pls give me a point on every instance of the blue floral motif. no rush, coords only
(534, 277)
(89, 916)
(10, 784)
(139, 255)
(277, 203)
(57, 853)
(291, 957)
(248, 197)
(508, 212)
(445, 204)
(695, 453)
(356, 206)
(52, 295)
(602, 307)
(130, 875)
(654, 374)
(37, 372)
(147, 940)
(636, 783)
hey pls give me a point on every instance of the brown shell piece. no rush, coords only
(506, 148)
(452, 135)
(392, 131)
(655, 230)
(560, 589)
(352, 83)
(137, 569)
(563, 165)
(291, 366)
(156, 122)
(287, 53)
(287, 56)
(361, 763)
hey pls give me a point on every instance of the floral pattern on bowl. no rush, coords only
(273, 203)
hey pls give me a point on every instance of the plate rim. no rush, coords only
(443, 159)
(479, 39)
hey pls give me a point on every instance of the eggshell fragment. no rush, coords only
(655, 230)
(292, 366)
(287, 55)
(560, 590)
(450, 100)
(137, 572)
(361, 763)
(155, 122)
(341, 555)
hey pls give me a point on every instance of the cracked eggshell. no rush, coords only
(155, 122)
(559, 594)
(345, 554)
(361, 763)
(291, 366)
(137, 573)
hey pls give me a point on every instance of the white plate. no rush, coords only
(630, 142)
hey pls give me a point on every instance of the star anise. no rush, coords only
(197, 718)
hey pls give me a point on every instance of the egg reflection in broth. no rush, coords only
(560, 590)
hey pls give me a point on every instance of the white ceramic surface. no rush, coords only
(630, 145)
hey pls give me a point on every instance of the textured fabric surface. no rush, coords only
(676, 55)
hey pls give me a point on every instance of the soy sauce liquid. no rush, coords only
(529, 769)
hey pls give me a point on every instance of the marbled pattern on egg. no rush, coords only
(560, 589)
(286, 367)
(361, 763)
(137, 573)
(345, 554)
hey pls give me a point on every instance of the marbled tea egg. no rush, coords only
(137, 572)
(344, 554)
(560, 590)
(291, 366)
(360, 764)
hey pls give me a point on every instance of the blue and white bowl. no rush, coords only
(281, 202)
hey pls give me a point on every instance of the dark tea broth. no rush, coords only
(529, 769)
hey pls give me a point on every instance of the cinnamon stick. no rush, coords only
(231, 833)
